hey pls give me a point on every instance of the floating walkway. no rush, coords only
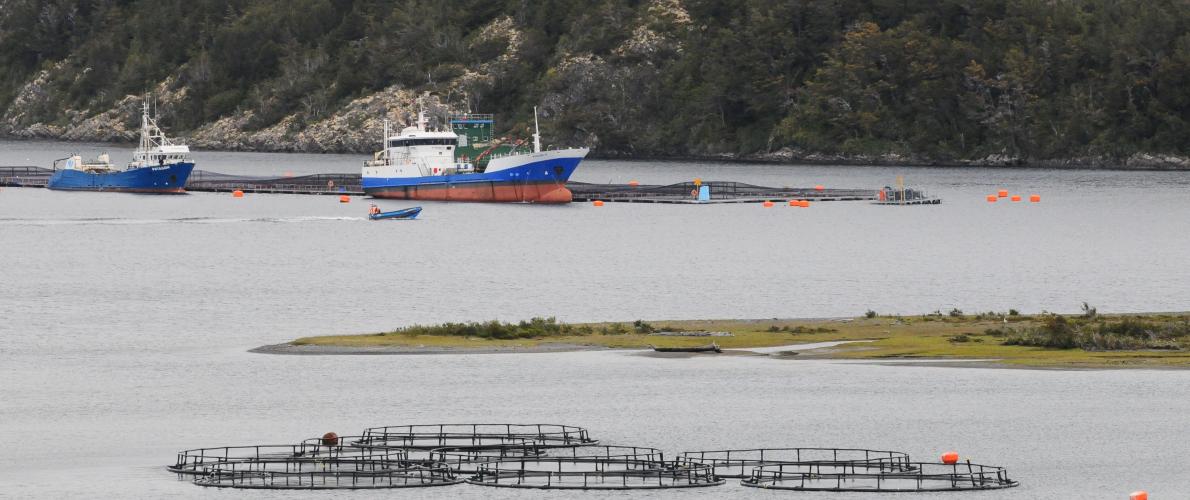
(548, 456)
(680, 193)
(719, 192)
(22, 176)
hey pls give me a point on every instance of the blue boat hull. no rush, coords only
(539, 182)
(408, 213)
(158, 179)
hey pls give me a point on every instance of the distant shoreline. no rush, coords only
(319, 350)
(1135, 162)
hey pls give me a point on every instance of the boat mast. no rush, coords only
(144, 129)
(384, 139)
(536, 133)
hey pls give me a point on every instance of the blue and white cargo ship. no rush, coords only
(159, 165)
(424, 164)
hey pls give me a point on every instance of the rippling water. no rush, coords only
(127, 318)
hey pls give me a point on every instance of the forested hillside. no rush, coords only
(946, 80)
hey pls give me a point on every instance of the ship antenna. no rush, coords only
(536, 133)
(384, 140)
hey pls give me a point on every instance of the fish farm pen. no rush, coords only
(564, 457)
(595, 468)
(879, 477)
(22, 176)
(679, 193)
(430, 437)
(717, 192)
(739, 463)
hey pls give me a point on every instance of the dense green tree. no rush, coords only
(950, 79)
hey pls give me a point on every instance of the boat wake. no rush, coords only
(115, 221)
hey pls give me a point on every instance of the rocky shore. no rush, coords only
(356, 129)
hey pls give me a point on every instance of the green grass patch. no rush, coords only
(1100, 341)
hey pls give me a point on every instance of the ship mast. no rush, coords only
(536, 133)
(145, 131)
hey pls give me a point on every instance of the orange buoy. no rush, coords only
(768, 204)
(1139, 495)
(598, 203)
(819, 187)
(1003, 193)
(344, 199)
(804, 203)
(287, 174)
(330, 439)
(1035, 198)
(237, 194)
(991, 198)
(633, 183)
(794, 203)
(950, 458)
(1016, 197)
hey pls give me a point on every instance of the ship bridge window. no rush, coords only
(400, 143)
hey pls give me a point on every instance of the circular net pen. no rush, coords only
(429, 437)
(328, 462)
(594, 468)
(739, 463)
(197, 461)
(348, 473)
(878, 478)
(467, 459)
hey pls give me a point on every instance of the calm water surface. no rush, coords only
(126, 319)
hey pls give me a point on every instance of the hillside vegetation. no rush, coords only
(990, 80)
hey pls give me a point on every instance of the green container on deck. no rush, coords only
(476, 143)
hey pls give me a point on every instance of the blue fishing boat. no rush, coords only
(404, 213)
(422, 163)
(159, 165)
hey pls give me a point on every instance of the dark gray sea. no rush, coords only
(125, 322)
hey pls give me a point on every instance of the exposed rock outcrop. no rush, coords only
(356, 127)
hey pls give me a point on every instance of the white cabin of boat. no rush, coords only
(417, 151)
(155, 148)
